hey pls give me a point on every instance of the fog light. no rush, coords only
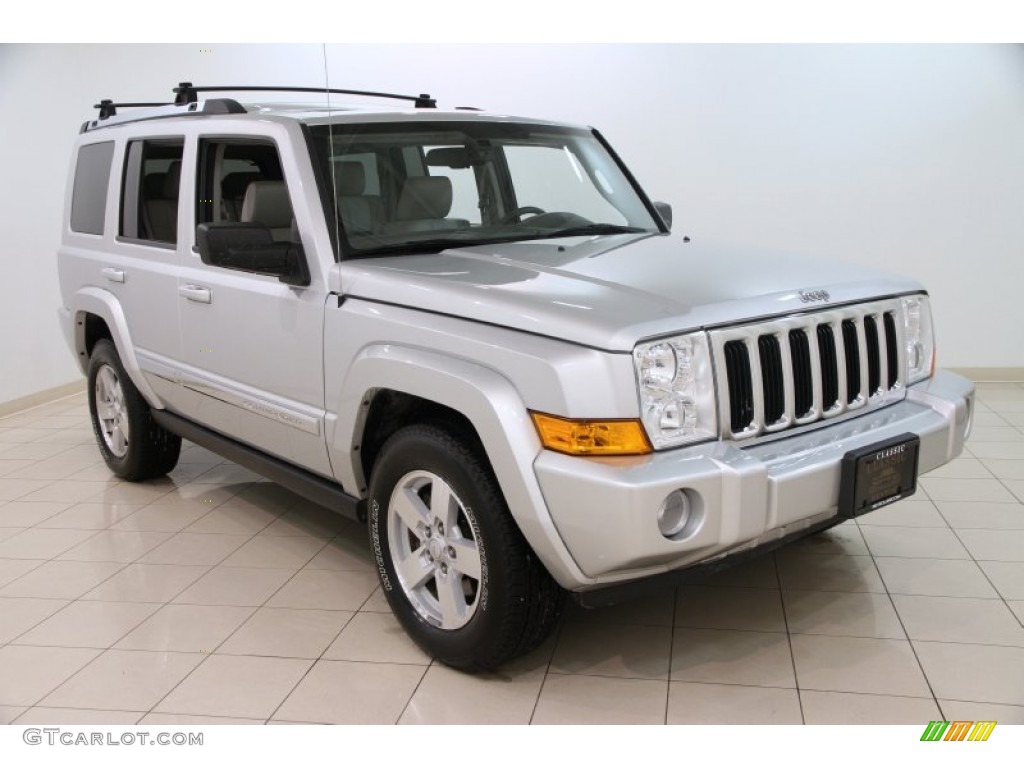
(674, 514)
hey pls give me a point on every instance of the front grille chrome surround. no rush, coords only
(783, 373)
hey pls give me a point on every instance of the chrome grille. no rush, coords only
(797, 370)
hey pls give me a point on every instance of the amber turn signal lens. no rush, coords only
(587, 437)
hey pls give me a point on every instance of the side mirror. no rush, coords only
(665, 211)
(251, 248)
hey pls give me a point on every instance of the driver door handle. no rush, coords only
(196, 293)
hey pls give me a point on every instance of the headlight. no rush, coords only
(919, 338)
(677, 396)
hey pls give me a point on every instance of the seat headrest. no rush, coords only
(172, 180)
(349, 178)
(266, 203)
(425, 197)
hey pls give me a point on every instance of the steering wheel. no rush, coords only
(511, 216)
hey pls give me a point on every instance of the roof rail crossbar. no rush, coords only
(108, 108)
(186, 93)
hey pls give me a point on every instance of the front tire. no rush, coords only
(454, 567)
(132, 444)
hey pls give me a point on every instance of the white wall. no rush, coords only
(905, 157)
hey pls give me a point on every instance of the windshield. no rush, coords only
(416, 187)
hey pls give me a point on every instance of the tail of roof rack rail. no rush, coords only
(186, 102)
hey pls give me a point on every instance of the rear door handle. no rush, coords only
(196, 293)
(113, 275)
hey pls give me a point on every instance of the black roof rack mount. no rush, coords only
(186, 93)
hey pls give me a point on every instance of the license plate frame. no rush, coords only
(879, 474)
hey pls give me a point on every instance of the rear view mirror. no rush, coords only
(251, 248)
(448, 157)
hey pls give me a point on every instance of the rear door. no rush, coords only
(140, 266)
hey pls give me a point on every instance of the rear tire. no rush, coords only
(132, 444)
(454, 567)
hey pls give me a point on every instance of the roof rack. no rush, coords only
(186, 102)
(186, 93)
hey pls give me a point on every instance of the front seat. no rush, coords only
(266, 203)
(424, 205)
(232, 193)
(360, 213)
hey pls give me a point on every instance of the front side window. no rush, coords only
(421, 187)
(241, 180)
(89, 195)
(150, 190)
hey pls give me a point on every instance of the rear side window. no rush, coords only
(150, 190)
(89, 197)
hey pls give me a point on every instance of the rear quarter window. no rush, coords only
(89, 196)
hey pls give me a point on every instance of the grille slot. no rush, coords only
(829, 367)
(874, 358)
(741, 394)
(892, 353)
(852, 349)
(772, 379)
(803, 381)
(778, 374)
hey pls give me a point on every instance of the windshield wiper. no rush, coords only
(433, 245)
(438, 244)
(593, 229)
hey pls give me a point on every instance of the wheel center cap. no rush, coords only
(435, 548)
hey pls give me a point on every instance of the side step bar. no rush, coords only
(312, 487)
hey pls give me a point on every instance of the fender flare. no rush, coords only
(103, 304)
(493, 406)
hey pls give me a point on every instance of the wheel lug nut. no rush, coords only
(451, 552)
(444, 569)
(440, 529)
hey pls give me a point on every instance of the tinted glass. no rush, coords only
(231, 170)
(149, 207)
(89, 198)
(417, 187)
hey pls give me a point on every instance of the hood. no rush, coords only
(609, 292)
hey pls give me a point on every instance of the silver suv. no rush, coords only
(476, 333)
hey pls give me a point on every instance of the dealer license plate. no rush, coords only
(878, 474)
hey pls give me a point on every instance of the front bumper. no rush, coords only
(748, 496)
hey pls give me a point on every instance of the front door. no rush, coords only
(252, 346)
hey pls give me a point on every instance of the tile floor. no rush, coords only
(214, 597)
